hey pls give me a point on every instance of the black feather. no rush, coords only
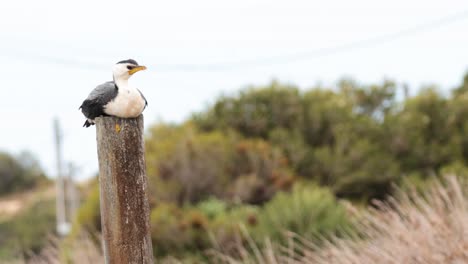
(87, 124)
(131, 61)
(94, 105)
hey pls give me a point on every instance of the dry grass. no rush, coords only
(82, 251)
(415, 228)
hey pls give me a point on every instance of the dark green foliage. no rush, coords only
(374, 100)
(356, 139)
(337, 138)
(359, 170)
(256, 111)
(424, 139)
(20, 173)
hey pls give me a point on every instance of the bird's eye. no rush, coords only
(130, 67)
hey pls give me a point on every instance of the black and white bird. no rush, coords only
(117, 97)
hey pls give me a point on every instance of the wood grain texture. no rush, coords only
(123, 190)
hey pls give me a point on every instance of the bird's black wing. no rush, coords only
(144, 98)
(93, 106)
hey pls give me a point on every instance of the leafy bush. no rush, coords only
(307, 210)
(168, 230)
(255, 111)
(187, 166)
(193, 229)
(20, 173)
(258, 171)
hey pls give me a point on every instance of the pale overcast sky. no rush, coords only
(53, 53)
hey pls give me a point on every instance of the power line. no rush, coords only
(308, 55)
(275, 60)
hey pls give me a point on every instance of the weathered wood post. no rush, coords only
(123, 186)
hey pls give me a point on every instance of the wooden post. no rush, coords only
(123, 186)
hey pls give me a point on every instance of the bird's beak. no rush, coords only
(138, 68)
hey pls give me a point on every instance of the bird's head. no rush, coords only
(124, 69)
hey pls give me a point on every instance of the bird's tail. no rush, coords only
(87, 123)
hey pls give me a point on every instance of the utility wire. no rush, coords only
(309, 55)
(268, 61)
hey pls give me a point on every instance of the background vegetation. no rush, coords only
(19, 173)
(277, 158)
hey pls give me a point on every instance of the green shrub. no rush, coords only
(355, 168)
(187, 166)
(255, 111)
(212, 207)
(191, 230)
(307, 210)
(176, 231)
(259, 170)
(19, 173)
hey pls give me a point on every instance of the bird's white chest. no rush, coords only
(127, 104)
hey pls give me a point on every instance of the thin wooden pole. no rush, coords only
(72, 194)
(123, 186)
(62, 225)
